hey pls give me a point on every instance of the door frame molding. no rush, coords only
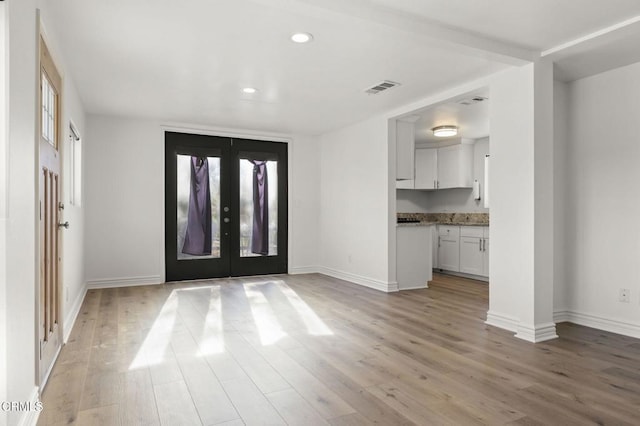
(230, 133)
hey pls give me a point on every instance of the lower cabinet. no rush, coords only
(449, 248)
(471, 254)
(464, 249)
(413, 256)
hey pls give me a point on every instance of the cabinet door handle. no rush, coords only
(438, 241)
(480, 244)
(434, 184)
(484, 245)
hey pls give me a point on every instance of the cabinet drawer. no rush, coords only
(486, 231)
(449, 231)
(472, 231)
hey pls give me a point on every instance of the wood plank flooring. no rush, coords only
(313, 350)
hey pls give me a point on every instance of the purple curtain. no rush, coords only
(260, 232)
(197, 239)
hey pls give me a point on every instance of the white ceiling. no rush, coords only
(186, 61)
(472, 120)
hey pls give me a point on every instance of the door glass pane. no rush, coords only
(258, 208)
(198, 204)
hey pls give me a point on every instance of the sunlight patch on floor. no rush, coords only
(264, 318)
(157, 341)
(212, 339)
(315, 326)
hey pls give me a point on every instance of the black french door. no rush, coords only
(225, 207)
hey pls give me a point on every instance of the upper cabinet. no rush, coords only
(405, 148)
(441, 168)
(455, 166)
(426, 168)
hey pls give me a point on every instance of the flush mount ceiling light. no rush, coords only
(445, 131)
(301, 38)
(249, 90)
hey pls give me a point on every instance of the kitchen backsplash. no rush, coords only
(444, 218)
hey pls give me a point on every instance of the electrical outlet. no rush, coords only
(625, 295)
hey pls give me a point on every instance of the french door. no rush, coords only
(225, 207)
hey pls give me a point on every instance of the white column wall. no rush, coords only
(561, 124)
(512, 197)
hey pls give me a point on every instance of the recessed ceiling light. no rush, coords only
(445, 131)
(249, 90)
(301, 37)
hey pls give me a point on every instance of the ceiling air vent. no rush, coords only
(472, 100)
(381, 87)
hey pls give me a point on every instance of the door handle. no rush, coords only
(64, 225)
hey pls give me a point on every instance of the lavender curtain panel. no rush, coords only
(197, 240)
(260, 233)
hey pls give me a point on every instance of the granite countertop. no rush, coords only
(402, 225)
(439, 223)
(453, 219)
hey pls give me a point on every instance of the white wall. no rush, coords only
(354, 198)
(21, 214)
(73, 280)
(3, 213)
(125, 202)
(448, 200)
(304, 200)
(561, 127)
(21, 268)
(602, 206)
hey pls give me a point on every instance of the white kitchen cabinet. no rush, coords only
(474, 250)
(449, 248)
(426, 168)
(413, 256)
(405, 148)
(485, 249)
(471, 250)
(455, 166)
(463, 249)
(434, 249)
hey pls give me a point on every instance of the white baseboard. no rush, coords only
(538, 333)
(612, 325)
(30, 417)
(70, 320)
(416, 287)
(462, 275)
(561, 315)
(124, 282)
(303, 270)
(387, 287)
(505, 322)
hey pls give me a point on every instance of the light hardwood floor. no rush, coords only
(313, 350)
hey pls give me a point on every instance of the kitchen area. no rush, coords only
(442, 191)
